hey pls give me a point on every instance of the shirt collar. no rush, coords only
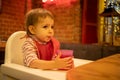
(36, 39)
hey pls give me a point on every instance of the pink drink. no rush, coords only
(65, 53)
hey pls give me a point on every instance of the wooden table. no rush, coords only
(104, 69)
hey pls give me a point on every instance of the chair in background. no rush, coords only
(13, 68)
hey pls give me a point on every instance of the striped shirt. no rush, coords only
(29, 51)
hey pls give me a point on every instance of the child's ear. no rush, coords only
(31, 29)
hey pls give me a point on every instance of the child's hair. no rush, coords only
(36, 15)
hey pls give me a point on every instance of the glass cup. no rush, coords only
(66, 53)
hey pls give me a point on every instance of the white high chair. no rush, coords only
(13, 68)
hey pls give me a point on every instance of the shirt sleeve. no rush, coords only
(29, 52)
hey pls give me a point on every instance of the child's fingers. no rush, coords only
(59, 54)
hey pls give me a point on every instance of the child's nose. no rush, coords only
(50, 30)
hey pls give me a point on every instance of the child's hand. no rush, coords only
(63, 63)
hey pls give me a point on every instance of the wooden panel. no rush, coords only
(89, 21)
(91, 15)
(91, 34)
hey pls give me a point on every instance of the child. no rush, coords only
(40, 47)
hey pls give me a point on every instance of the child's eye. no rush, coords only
(45, 26)
(52, 27)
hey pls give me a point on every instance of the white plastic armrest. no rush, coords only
(25, 73)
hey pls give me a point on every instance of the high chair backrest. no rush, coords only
(13, 49)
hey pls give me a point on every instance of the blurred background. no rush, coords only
(76, 21)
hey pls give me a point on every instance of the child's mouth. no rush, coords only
(49, 37)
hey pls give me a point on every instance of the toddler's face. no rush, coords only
(44, 30)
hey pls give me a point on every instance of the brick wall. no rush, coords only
(67, 20)
(11, 17)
